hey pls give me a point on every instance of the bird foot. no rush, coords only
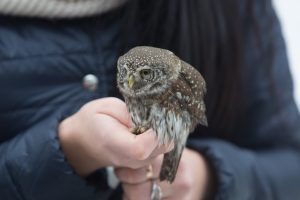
(137, 130)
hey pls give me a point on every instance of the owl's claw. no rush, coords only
(137, 130)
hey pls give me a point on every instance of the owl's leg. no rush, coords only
(137, 130)
(140, 118)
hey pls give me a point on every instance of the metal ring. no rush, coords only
(156, 193)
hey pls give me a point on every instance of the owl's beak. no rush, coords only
(130, 81)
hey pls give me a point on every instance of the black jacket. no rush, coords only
(42, 67)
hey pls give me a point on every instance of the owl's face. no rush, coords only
(146, 71)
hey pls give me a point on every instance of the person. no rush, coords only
(63, 121)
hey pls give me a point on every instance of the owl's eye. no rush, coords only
(146, 74)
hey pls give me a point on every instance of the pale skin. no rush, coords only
(98, 135)
(190, 182)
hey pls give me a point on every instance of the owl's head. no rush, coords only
(147, 71)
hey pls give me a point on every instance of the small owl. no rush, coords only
(164, 93)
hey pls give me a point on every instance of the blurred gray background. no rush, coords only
(289, 15)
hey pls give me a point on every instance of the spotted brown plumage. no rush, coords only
(164, 93)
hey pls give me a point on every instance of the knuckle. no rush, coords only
(88, 106)
(109, 101)
(139, 152)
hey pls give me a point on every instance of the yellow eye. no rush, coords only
(145, 73)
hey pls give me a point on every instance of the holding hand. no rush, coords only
(191, 182)
(98, 136)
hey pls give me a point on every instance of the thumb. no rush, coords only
(115, 108)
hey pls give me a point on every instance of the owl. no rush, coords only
(164, 93)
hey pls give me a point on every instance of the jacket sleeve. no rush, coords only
(32, 166)
(262, 161)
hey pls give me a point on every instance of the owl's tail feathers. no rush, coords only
(170, 164)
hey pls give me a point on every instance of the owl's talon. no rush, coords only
(143, 129)
(134, 130)
(138, 130)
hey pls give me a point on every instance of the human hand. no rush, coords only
(98, 136)
(191, 182)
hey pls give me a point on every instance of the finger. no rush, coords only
(113, 107)
(156, 167)
(150, 144)
(132, 176)
(135, 176)
(162, 149)
(139, 147)
(142, 146)
(137, 191)
(126, 150)
(135, 147)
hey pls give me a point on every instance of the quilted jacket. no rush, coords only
(43, 65)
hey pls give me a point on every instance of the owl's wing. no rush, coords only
(189, 90)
